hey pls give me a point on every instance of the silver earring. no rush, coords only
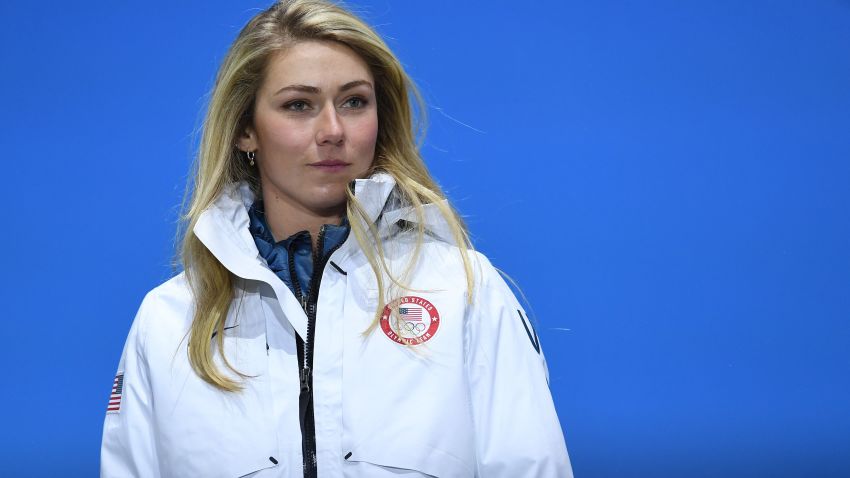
(251, 156)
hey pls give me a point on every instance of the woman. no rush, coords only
(332, 318)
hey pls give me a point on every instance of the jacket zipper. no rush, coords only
(305, 353)
(304, 408)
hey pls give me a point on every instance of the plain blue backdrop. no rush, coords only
(668, 181)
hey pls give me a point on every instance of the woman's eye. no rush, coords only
(298, 105)
(355, 102)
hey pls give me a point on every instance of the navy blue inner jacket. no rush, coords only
(299, 245)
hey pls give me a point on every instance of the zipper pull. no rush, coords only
(304, 375)
(304, 303)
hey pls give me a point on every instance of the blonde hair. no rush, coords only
(219, 163)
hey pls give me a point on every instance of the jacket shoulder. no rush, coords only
(175, 291)
(166, 309)
(485, 273)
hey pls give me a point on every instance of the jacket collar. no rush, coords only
(384, 208)
(224, 229)
(229, 213)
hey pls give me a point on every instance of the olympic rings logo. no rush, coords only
(413, 328)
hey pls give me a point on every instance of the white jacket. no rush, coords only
(471, 399)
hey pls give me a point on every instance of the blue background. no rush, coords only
(667, 180)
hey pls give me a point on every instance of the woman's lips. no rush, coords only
(330, 165)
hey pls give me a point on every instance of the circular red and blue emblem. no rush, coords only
(410, 320)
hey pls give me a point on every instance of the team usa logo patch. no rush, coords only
(115, 398)
(410, 320)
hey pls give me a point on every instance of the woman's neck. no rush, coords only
(285, 218)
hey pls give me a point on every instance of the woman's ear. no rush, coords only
(248, 139)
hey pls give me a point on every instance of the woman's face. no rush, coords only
(314, 127)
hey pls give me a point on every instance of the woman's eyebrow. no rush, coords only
(355, 83)
(301, 88)
(317, 90)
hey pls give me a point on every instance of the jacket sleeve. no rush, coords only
(128, 448)
(516, 427)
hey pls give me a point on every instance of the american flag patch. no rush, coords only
(410, 314)
(115, 398)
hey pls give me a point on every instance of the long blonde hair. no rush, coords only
(219, 163)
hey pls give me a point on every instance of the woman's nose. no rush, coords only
(329, 127)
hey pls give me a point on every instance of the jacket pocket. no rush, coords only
(261, 469)
(205, 432)
(381, 456)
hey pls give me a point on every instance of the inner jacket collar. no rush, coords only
(297, 247)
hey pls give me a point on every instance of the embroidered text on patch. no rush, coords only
(115, 398)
